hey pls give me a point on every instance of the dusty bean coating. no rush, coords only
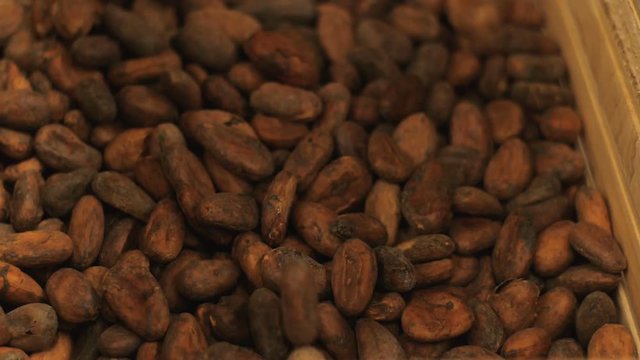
(298, 179)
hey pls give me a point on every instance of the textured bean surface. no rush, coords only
(297, 179)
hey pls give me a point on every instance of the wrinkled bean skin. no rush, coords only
(301, 180)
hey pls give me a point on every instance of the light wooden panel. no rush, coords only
(595, 43)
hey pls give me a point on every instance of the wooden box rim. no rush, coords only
(600, 40)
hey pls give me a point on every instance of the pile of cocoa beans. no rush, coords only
(296, 179)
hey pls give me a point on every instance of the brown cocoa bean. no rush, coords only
(584, 279)
(509, 170)
(472, 201)
(541, 188)
(558, 159)
(277, 206)
(228, 319)
(427, 247)
(395, 271)
(34, 249)
(466, 164)
(120, 237)
(430, 307)
(223, 179)
(426, 198)
(600, 248)
(591, 207)
(514, 250)
(353, 276)
(473, 234)
(136, 34)
(226, 351)
(337, 101)
(229, 211)
(33, 327)
(403, 97)
(278, 133)
(248, 251)
(149, 175)
(142, 106)
(275, 261)
(310, 155)
(515, 305)
(220, 94)
(565, 349)
(506, 118)
(118, 341)
(23, 110)
(26, 201)
(359, 226)
(482, 287)
(465, 270)
(464, 67)
(440, 101)
(96, 101)
(527, 343)
(86, 230)
(136, 297)
(383, 203)
(376, 34)
(535, 68)
(245, 77)
(433, 272)
(19, 288)
(59, 148)
(493, 82)
(386, 158)
(415, 22)
(487, 330)
(341, 185)
(335, 31)
(471, 129)
(126, 149)
(335, 333)
(95, 51)
(15, 145)
(385, 307)
(540, 96)
(72, 296)
(164, 233)
(147, 68)
(553, 253)
(313, 222)
(168, 279)
(560, 124)
(286, 102)
(266, 326)
(184, 339)
(299, 301)
(62, 349)
(595, 310)
(238, 25)
(205, 279)
(285, 56)
(102, 134)
(120, 192)
(612, 341)
(556, 311)
(224, 142)
(469, 352)
(375, 342)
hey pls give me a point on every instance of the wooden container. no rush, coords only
(600, 41)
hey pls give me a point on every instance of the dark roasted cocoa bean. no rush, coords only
(120, 192)
(353, 276)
